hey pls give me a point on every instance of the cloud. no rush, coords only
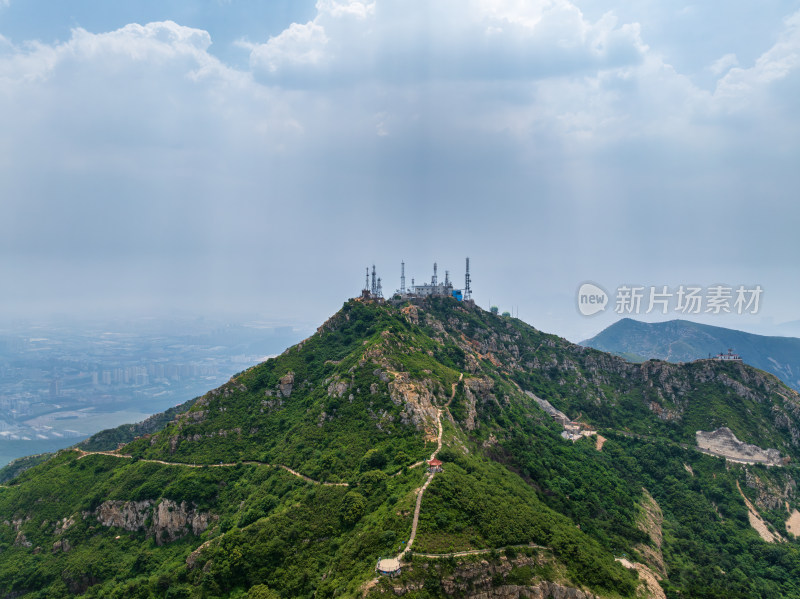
(396, 40)
(297, 46)
(723, 64)
(117, 135)
(135, 162)
(777, 63)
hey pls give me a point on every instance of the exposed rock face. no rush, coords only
(166, 521)
(549, 408)
(543, 590)
(286, 384)
(191, 560)
(338, 388)
(61, 545)
(663, 413)
(769, 496)
(722, 442)
(477, 390)
(411, 313)
(63, 525)
(478, 580)
(383, 376)
(417, 399)
(22, 540)
(176, 519)
(128, 515)
(648, 580)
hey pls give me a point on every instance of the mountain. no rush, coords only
(684, 341)
(565, 472)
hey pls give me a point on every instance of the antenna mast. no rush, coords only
(374, 283)
(366, 281)
(402, 278)
(434, 280)
(467, 290)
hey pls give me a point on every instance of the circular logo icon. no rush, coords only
(591, 299)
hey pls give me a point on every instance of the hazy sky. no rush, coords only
(228, 156)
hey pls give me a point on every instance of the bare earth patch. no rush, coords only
(650, 521)
(757, 522)
(600, 442)
(793, 522)
(649, 586)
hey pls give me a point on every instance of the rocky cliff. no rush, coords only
(165, 520)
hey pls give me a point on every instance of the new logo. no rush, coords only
(591, 299)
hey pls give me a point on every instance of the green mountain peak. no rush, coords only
(565, 471)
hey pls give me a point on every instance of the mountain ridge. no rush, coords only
(225, 499)
(683, 341)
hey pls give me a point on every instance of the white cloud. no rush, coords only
(395, 116)
(142, 112)
(353, 8)
(723, 64)
(409, 40)
(781, 60)
(297, 46)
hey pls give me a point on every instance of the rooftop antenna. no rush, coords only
(434, 280)
(413, 287)
(447, 278)
(402, 278)
(467, 290)
(374, 284)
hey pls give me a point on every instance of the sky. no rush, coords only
(240, 157)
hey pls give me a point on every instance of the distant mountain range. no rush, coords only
(684, 341)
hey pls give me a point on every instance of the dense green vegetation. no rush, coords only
(268, 521)
(319, 427)
(15, 467)
(357, 403)
(477, 504)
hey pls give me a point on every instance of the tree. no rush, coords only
(352, 508)
(373, 460)
(373, 481)
(262, 591)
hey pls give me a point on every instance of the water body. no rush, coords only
(85, 423)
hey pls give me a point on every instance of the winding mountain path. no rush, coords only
(479, 551)
(421, 490)
(83, 454)
(453, 390)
